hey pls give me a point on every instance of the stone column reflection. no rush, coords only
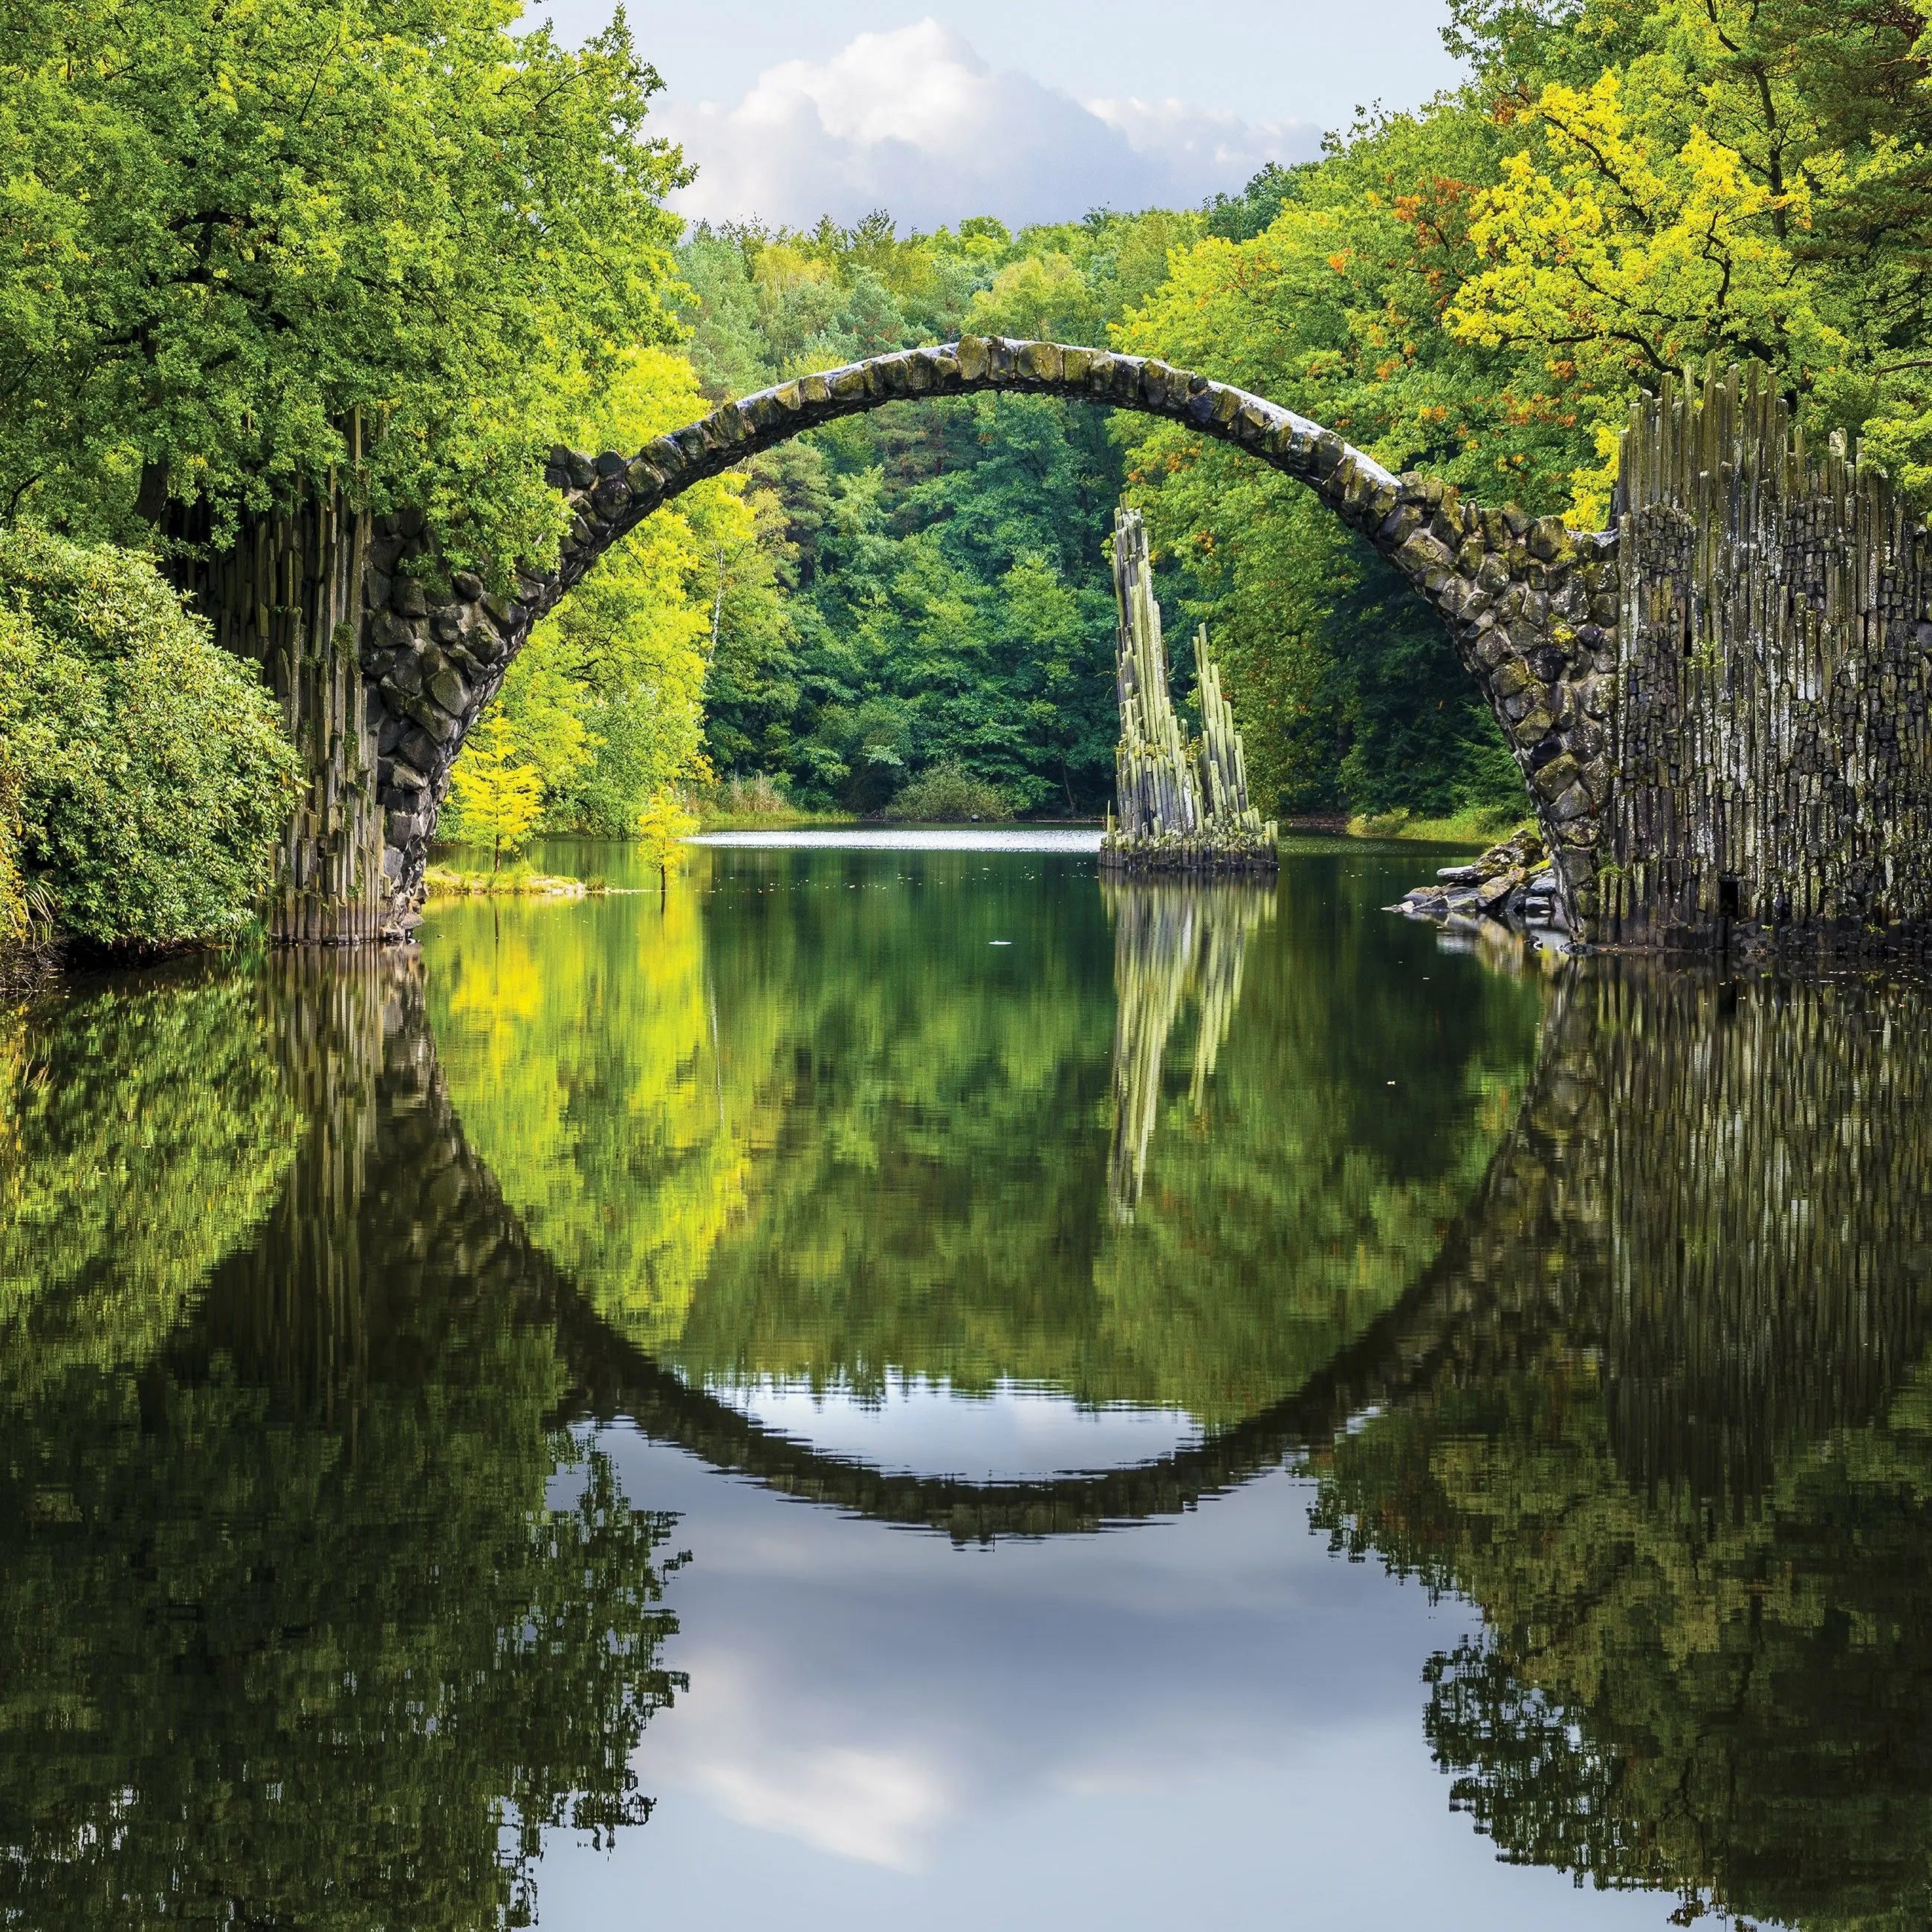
(1173, 941)
(1680, 1456)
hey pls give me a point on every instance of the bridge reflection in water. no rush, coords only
(311, 1596)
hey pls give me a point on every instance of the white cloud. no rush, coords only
(879, 1807)
(857, 1797)
(915, 122)
(1206, 150)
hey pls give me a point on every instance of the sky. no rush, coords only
(1207, 1720)
(1031, 110)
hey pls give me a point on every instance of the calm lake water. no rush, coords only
(914, 1386)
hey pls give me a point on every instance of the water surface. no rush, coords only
(913, 838)
(907, 1382)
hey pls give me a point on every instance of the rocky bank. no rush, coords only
(1513, 885)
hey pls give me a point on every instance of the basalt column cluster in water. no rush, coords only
(1183, 801)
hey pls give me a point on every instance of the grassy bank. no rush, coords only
(1480, 825)
(446, 882)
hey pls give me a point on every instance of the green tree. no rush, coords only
(15, 917)
(660, 828)
(1740, 177)
(247, 248)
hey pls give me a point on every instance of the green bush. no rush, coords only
(155, 777)
(13, 886)
(948, 791)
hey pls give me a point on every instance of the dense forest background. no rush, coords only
(927, 585)
(1477, 288)
(244, 258)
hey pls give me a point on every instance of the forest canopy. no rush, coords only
(245, 245)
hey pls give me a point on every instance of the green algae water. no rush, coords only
(896, 1381)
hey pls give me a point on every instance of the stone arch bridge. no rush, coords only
(1719, 707)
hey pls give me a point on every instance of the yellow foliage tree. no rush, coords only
(1657, 215)
(605, 703)
(662, 825)
(499, 793)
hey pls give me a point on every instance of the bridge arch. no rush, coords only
(1531, 607)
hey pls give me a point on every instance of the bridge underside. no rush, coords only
(1719, 708)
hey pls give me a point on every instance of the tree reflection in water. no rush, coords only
(1683, 1460)
(146, 1129)
(296, 1632)
(824, 1136)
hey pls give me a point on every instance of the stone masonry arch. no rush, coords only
(1531, 607)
